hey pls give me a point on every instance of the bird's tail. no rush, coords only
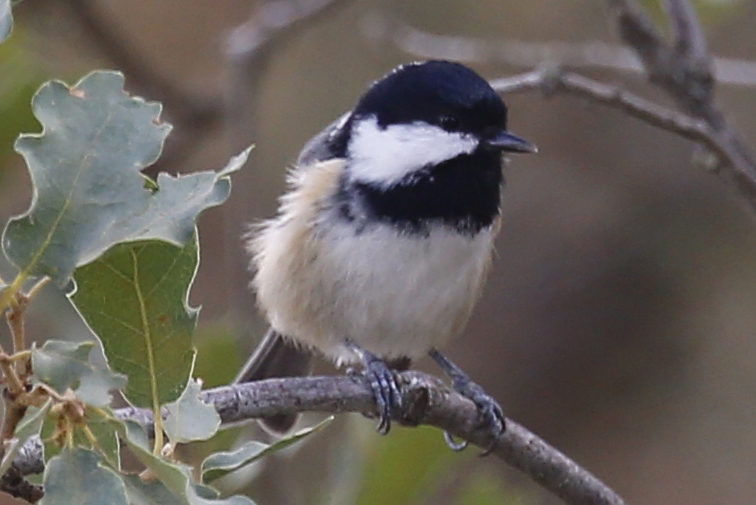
(276, 356)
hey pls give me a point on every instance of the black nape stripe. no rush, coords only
(463, 193)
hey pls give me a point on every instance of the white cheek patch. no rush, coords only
(384, 156)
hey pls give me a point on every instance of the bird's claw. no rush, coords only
(490, 414)
(382, 382)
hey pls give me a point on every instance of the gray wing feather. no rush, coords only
(318, 148)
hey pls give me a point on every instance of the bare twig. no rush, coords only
(552, 80)
(17, 486)
(570, 55)
(691, 40)
(425, 400)
(683, 70)
(251, 44)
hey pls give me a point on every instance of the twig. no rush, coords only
(550, 80)
(251, 44)
(691, 40)
(380, 28)
(683, 70)
(425, 400)
(17, 486)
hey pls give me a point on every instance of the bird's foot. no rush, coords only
(489, 411)
(382, 382)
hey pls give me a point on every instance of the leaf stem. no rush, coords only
(7, 295)
(151, 365)
(15, 385)
(16, 319)
(34, 291)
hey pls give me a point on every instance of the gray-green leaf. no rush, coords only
(134, 298)
(178, 479)
(6, 19)
(89, 193)
(77, 476)
(222, 463)
(63, 365)
(189, 418)
(85, 169)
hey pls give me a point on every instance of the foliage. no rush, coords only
(125, 249)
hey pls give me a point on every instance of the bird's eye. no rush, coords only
(449, 123)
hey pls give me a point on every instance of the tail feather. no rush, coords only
(276, 356)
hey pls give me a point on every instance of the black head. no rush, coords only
(424, 145)
(441, 93)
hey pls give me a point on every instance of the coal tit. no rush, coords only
(381, 245)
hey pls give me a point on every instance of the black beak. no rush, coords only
(506, 142)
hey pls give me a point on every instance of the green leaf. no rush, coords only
(6, 19)
(106, 436)
(178, 478)
(84, 166)
(77, 476)
(89, 193)
(30, 425)
(134, 298)
(63, 365)
(222, 463)
(189, 418)
(155, 492)
(149, 493)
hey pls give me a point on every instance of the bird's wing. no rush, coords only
(321, 146)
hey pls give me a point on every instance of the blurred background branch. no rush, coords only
(381, 28)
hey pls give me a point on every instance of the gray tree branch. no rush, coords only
(683, 69)
(553, 80)
(425, 399)
(585, 55)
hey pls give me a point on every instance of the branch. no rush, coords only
(380, 28)
(17, 486)
(425, 399)
(732, 166)
(682, 69)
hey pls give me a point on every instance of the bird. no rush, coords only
(382, 242)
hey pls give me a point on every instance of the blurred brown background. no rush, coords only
(619, 319)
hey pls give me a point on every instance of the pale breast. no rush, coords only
(400, 295)
(393, 293)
